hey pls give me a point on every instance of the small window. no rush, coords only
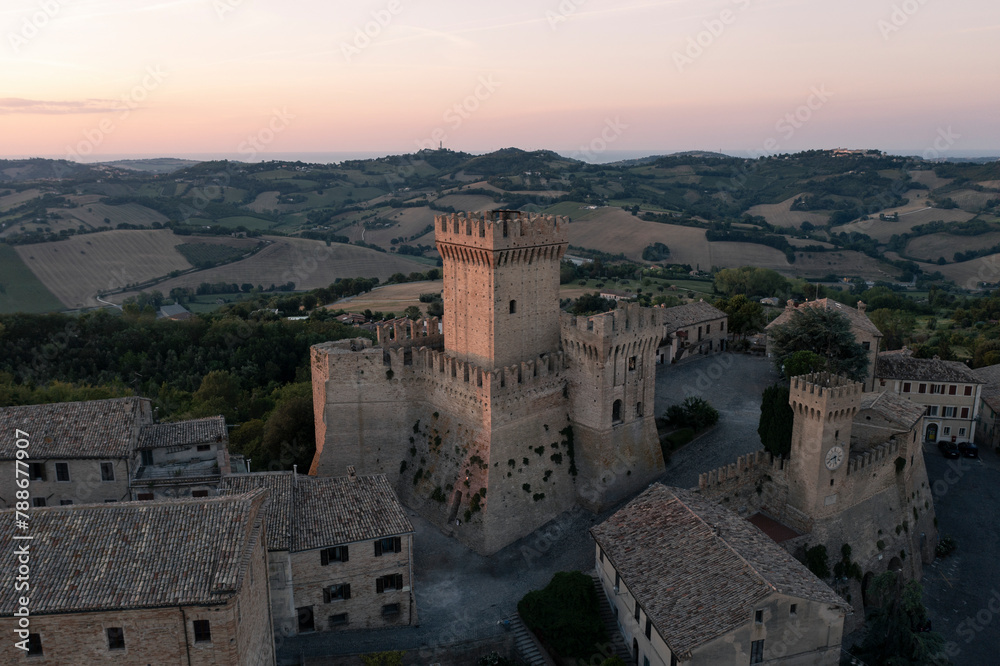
(722, 326)
(340, 592)
(649, 629)
(335, 554)
(922, 388)
(645, 661)
(638, 409)
(637, 611)
(947, 430)
(866, 345)
(107, 471)
(513, 307)
(388, 583)
(968, 390)
(306, 621)
(906, 387)
(144, 496)
(338, 620)
(116, 638)
(758, 617)
(62, 471)
(202, 631)
(204, 447)
(390, 610)
(110, 501)
(147, 458)
(65, 502)
(388, 545)
(36, 471)
(792, 610)
(952, 389)
(600, 554)
(932, 410)
(757, 652)
(708, 329)
(961, 432)
(631, 362)
(34, 644)
(38, 501)
(965, 413)
(616, 411)
(199, 493)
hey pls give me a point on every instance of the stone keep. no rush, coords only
(507, 412)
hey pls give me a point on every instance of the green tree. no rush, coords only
(289, 436)
(412, 312)
(823, 332)
(896, 326)
(776, 417)
(219, 393)
(803, 363)
(896, 623)
(565, 614)
(750, 281)
(745, 316)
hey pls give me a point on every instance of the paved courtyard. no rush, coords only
(733, 384)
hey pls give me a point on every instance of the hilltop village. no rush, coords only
(150, 542)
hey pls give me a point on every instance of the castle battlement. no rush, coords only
(629, 320)
(407, 333)
(878, 455)
(500, 230)
(825, 384)
(757, 464)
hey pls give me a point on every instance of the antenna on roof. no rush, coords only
(295, 476)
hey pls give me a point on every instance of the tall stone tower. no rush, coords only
(501, 285)
(824, 405)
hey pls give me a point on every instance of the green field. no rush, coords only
(203, 255)
(252, 223)
(20, 290)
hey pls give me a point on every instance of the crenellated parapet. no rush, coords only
(823, 395)
(882, 454)
(631, 328)
(409, 333)
(751, 466)
(504, 231)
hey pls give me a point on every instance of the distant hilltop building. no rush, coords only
(507, 412)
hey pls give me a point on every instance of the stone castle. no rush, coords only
(507, 412)
(855, 476)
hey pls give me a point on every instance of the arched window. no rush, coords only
(513, 307)
(616, 411)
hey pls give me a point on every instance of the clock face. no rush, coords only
(834, 457)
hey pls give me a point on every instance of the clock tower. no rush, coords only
(824, 406)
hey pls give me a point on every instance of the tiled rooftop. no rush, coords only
(92, 429)
(901, 364)
(893, 408)
(857, 318)
(130, 555)
(990, 376)
(314, 512)
(197, 431)
(697, 568)
(682, 316)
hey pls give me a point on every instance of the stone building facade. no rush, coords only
(488, 421)
(340, 552)
(113, 584)
(691, 330)
(855, 476)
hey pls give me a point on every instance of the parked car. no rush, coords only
(948, 448)
(968, 449)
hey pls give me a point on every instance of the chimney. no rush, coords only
(790, 303)
(351, 474)
(295, 476)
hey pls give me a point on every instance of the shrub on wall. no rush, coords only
(565, 615)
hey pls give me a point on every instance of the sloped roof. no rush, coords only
(696, 568)
(91, 429)
(130, 555)
(682, 316)
(857, 318)
(893, 408)
(990, 376)
(310, 512)
(196, 431)
(901, 364)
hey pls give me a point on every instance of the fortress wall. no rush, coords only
(754, 483)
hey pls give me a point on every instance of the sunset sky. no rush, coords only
(248, 78)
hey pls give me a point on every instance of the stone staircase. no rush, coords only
(528, 650)
(610, 623)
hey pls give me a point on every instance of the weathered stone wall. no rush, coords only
(84, 486)
(279, 573)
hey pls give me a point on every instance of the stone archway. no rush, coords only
(635, 651)
(865, 585)
(895, 564)
(932, 432)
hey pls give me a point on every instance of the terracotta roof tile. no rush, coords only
(129, 555)
(92, 429)
(857, 318)
(901, 364)
(698, 569)
(682, 316)
(893, 408)
(196, 431)
(990, 376)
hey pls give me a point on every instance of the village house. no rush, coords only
(948, 391)
(988, 424)
(690, 582)
(865, 332)
(160, 582)
(691, 329)
(340, 551)
(110, 451)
